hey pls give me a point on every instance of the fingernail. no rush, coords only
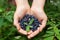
(28, 37)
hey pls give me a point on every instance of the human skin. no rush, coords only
(37, 10)
(22, 7)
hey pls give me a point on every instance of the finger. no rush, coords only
(30, 32)
(43, 24)
(18, 27)
(33, 34)
(16, 23)
(22, 32)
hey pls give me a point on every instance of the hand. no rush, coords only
(42, 18)
(19, 13)
(39, 13)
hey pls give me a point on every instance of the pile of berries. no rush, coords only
(29, 22)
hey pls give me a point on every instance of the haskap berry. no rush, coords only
(29, 22)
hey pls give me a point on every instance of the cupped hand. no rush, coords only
(19, 13)
(42, 18)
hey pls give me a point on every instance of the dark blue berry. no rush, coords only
(34, 28)
(23, 27)
(26, 19)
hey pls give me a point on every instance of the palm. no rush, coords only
(42, 19)
(19, 14)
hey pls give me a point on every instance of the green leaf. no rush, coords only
(17, 37)
(1, 21)
(9, 16)
(49, 38)
(31, 21)
(1, 10)
(48, 33)
(56, 30)
(28, 28)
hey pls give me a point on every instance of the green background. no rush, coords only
(9, 32)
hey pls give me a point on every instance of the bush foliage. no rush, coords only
(9, 32)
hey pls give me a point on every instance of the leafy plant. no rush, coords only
(9, 32)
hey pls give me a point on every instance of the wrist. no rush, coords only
(21, 2)
(36, 8)
(23, 7)
(38, 3)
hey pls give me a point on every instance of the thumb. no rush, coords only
(16, 23)
(18, 27)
